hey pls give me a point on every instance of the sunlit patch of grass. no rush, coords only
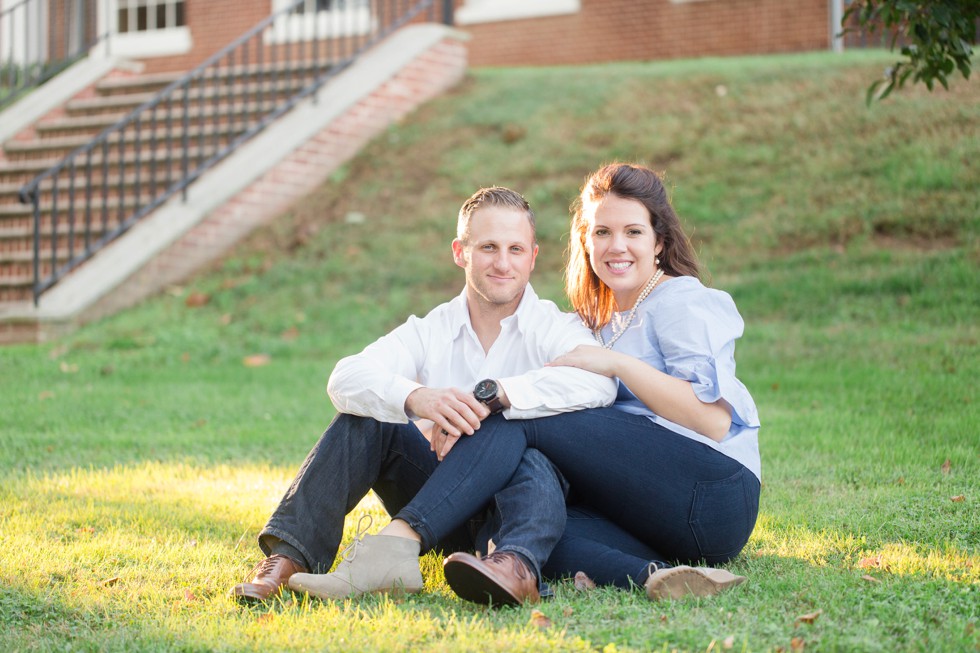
(851, 551)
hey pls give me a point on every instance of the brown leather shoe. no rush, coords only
(269, 576)
(500, 578)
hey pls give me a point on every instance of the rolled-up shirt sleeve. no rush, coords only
(377, 381)
(698, 344)
(552, 390)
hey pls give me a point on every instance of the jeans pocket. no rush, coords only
(723, 515)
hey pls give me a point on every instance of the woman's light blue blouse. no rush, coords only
(688, 331)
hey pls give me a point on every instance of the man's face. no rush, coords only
(498, 256)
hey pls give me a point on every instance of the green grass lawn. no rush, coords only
(140, 456)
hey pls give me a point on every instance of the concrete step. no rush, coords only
(22, 172)
(152, 83)
(62, 146)
(127, 102)
(9, 211)
(151, 177)
(92, 124)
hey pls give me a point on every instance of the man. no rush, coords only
(494, 338)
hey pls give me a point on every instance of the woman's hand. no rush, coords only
(591, 358)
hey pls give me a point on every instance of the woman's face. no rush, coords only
(622, 246)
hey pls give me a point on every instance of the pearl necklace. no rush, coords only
(647, 289)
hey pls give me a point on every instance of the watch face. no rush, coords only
(485, 390)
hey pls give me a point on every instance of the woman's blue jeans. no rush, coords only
(640, 492)
(357, 454)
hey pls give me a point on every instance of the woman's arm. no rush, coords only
(665, 395)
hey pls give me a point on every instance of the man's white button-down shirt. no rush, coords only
(441, 350)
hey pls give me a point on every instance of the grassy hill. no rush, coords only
(140, 456)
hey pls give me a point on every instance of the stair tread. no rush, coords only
(135, 81)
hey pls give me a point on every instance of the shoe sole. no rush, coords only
(677, 583)
(397, 591)
(244, 595)
(472, 584)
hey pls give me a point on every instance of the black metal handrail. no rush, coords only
(41, 38)
(165, 144)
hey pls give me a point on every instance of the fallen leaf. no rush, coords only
(225, 319)
(567, 611)
(265, 616)
(870, 579)
(797, 644)
(947, 466)
(45, 395)
(808, 618)
(109, 582)
(583, 582)
(196, 299)
(189, 595)
(87, 530)
(290, 334)
(200, 422)
(256, 360)
(540, 619)
(958, 498)
(68, 369)
(185, 357)
(729, 642)
(901, 480)
(107, 370)
(513, 133)
(870, 563)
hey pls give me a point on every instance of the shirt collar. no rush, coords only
(461, 313)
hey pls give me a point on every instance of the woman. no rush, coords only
(670, 472)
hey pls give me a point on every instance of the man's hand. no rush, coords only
(453, 412)
(441, 442)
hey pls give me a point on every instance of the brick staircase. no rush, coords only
(134, 165)
(264, 171)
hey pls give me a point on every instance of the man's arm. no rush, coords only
(377, 381)
(551, 390)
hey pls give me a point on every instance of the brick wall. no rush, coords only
(216, 23)
(603, 30)
(430, 74)
(615, 30)
(213, 25)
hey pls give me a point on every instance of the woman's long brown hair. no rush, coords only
(591, 298)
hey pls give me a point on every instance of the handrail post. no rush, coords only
(185, 137)
(34, 196)
(448, 6)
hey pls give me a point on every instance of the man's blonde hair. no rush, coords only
(492, 196)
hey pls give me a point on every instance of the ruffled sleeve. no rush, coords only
(696, 331)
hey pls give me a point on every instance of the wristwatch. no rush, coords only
(487, 394)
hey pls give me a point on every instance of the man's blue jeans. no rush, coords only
(640, 492)
(357, 454)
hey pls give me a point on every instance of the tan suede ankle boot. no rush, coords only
(372, 563)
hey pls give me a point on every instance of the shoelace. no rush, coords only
(654, 567)
(350, 552)
(267, 566)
